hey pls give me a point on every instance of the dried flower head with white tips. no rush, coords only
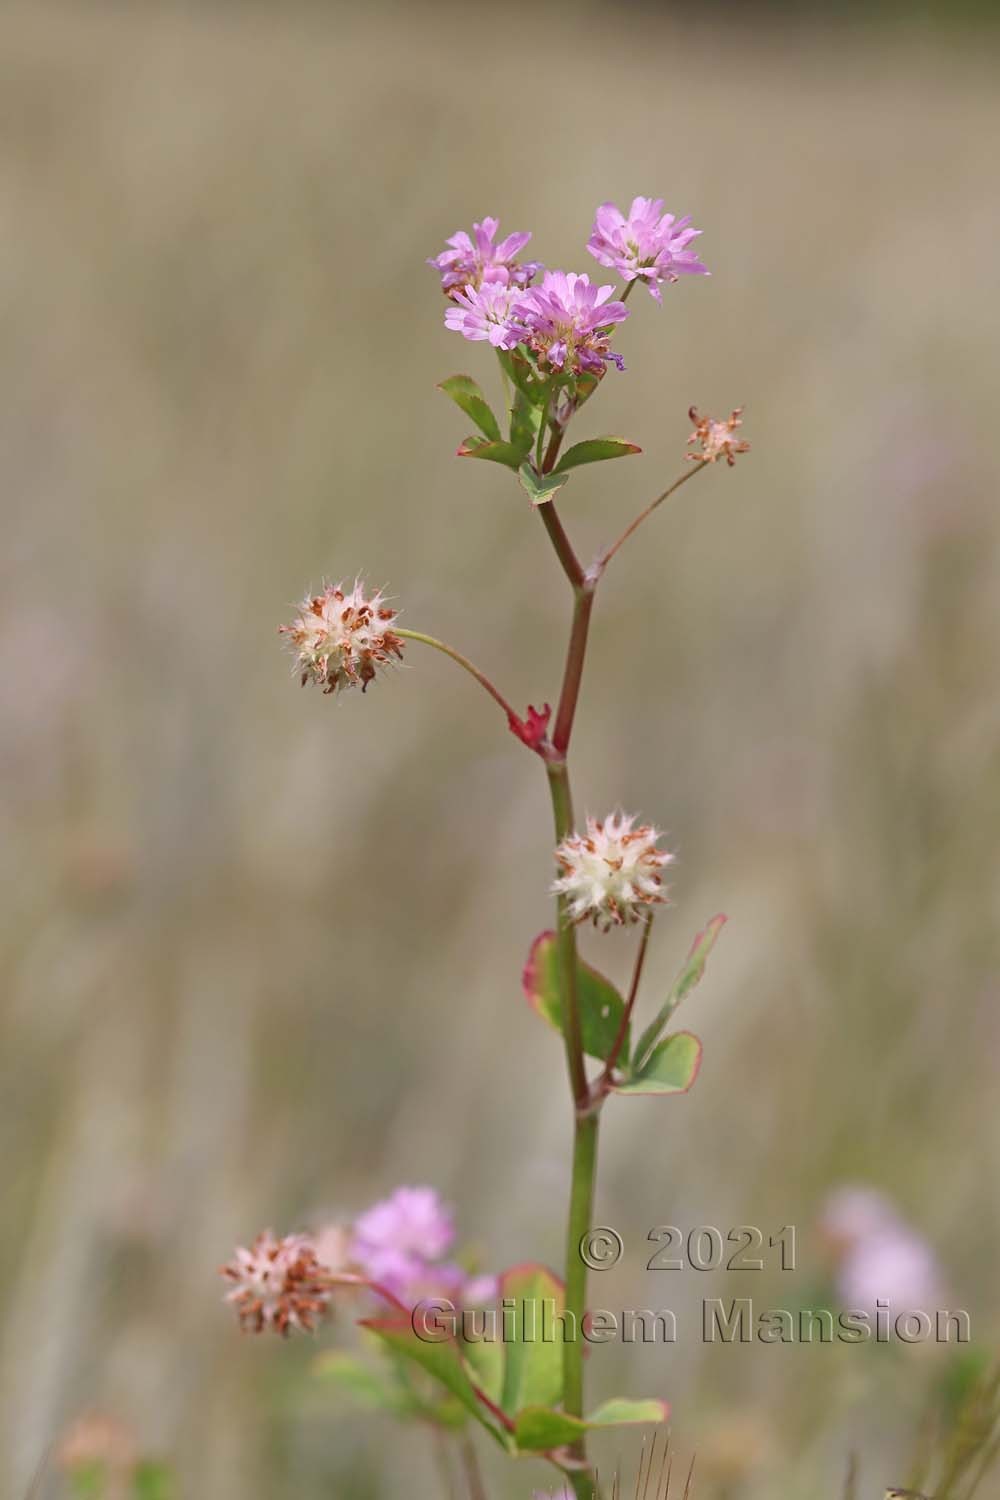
(278, 1283)
(342, 636)
(611, 872)
(717, 439)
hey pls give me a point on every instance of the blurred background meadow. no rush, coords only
(260, 949)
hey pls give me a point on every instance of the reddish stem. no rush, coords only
(571, 564)
(573, 675)
(619, 1042)
(606, 556)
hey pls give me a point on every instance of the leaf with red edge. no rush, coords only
(601, 1006)
(595, 451)
(498, 453)
(671, 1067)
(694, 968)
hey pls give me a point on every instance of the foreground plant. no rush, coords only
(99, 1458)
(552, 333)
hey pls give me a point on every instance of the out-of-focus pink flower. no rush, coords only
(878, 1256)
(400, 1244)
(488, 312)
(412, 1221)
(278, 1283)
(471, 260)
(96, 1438)
(851, 1214)
(649, 245)
(419, 1281)
(569, 321)
(897, 1267)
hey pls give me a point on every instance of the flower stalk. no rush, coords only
(553, 341)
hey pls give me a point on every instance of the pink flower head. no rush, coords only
(471, 260)
(569, 322)
(878, 1255)
(649, 244)
(400, 1244)
(896, 1266)
(421, 1281)
(412, 1221)
(487, 312)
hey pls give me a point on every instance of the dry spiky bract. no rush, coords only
(717, 439)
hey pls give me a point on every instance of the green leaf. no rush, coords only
(694, 968)
(371, 1386)
(498, 453)
(441, 1360)
(465, 393)
(694, 965)
(87, 1480)
(601, 1006)
(533, 1344)
(539, 487)
(671, 1067)
(152, 1481)
(540, 1429)
(526, 418)
(586, 385)
(525, 377)
(485, 1360)
(594, 451)
(620, 1412)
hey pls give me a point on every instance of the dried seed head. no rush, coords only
(342, 636)
(611, 872)
(717, 439)
(279, 1284)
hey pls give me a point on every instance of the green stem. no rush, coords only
(585, 1126)
(552, 451)
(562, 815)
(463, 661)
(585, 1107)
(581, 1207)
